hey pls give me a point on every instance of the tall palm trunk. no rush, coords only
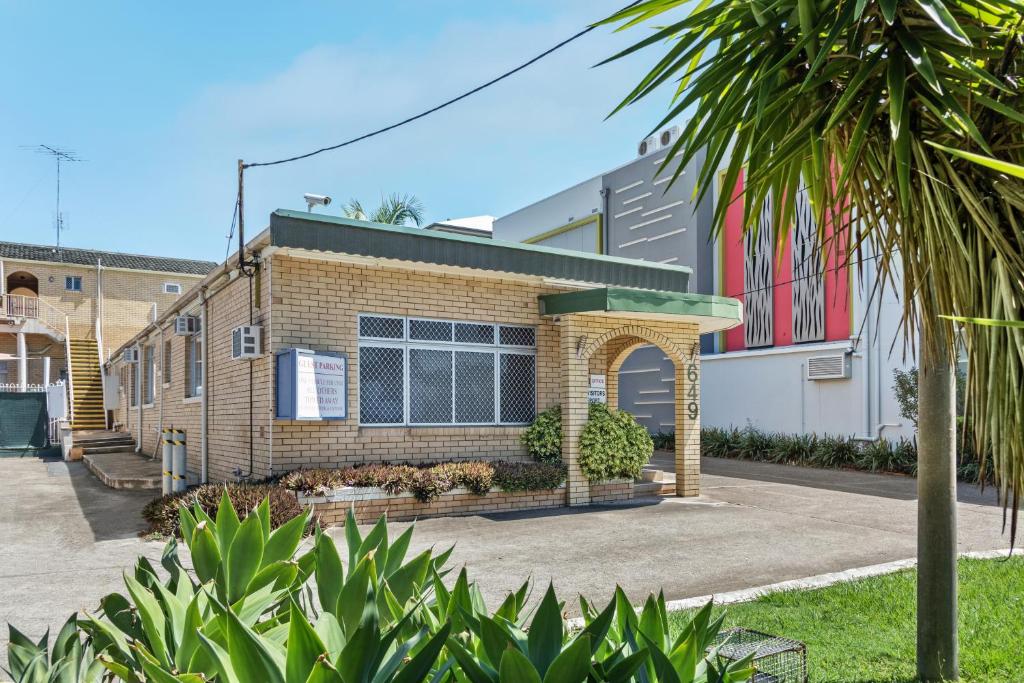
(937, 649)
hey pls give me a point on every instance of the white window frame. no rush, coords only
(194, 367)
(148, 375)
(169, 285)
(75, 281)
(406, 344)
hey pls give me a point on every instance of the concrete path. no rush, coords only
(65, 539)
(755, 524)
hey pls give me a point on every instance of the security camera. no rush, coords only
(316, 200)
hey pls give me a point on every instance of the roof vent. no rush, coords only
(832, 366)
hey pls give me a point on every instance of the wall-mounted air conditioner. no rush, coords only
(831, 366)
(649, 145)
(247, 342)
(131, 355)
(186, 325)
(669, 136)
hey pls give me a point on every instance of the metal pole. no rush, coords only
(204, 424)
(166, 485)
(179, 459)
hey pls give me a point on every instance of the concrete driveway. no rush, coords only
(755, 524)
(65, 539)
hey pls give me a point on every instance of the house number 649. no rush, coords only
(693, 406)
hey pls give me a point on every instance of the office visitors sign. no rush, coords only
(312, 385)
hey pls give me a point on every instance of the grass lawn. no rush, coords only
(865, 630)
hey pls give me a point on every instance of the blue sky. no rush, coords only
(161, 99)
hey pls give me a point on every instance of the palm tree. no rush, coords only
(902, 118)
(394, 209)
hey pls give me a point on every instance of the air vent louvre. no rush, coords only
(832, 366)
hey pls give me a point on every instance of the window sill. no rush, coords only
(192, 399)
(146, 406)
(167, 385)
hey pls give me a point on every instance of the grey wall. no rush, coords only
(653, 219)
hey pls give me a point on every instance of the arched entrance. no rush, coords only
(22, 290)
(601, 346)
(599, 327)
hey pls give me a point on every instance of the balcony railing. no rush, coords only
(32, 307)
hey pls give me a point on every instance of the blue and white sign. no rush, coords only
(312, 385)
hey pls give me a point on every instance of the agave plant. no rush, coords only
(247, 612)
(69, 660)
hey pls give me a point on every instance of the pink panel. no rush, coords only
(782, 301)
(838, 294)
(732, 262)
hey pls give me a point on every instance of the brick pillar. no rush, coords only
(574, 409)
(687, 396)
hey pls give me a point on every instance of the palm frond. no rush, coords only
(904, 117)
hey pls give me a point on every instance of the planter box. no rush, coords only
(611, 491)
(370, 502)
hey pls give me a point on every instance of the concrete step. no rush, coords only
(116, 448)
(653, 488)
(124, 470)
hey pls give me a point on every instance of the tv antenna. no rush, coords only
(59, 155)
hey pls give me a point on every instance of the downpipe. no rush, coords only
(204, 453)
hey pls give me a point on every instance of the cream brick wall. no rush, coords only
(592, 343)
(128, 296)
(315, 305)
(227, 390)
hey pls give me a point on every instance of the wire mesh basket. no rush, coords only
(776, 659)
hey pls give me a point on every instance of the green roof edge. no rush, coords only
(304, 230)
(626, 300)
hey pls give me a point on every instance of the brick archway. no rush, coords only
(601, 344)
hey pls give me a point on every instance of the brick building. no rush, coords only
(384, 343)
(61, 302)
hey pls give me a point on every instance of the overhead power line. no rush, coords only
(439, 107)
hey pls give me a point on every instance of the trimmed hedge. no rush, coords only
(427, 482)
(543, 438)
(834, 452)
(613, 445)
(163, 518)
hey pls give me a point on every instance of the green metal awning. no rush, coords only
(711, 313)
(299, 230)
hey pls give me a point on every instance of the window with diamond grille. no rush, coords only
(430, 386)
(518, 383)
(445, 372)
(382, 385)
(474, 387)
(517, 336)
(430, 330)
(381, 327)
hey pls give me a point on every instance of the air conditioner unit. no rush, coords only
(648, 145)
(247, 342)
(832, 366)
(186, 325)
(131, 355)
(669, 136)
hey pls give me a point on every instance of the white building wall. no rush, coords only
(767, 388)
(569, 205)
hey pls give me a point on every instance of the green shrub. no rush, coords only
(833, 452)
(529, 476)
(664, 441)
(613, 445)
(427, 482)
(543, 438)
(717, 442)
(163, 514)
